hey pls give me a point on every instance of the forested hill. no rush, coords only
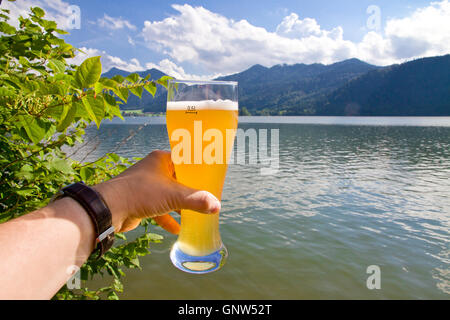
(293, 87)
(350, 87)
(416, 88)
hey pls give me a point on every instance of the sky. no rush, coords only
(206, 39)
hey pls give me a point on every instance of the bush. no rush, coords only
(45, 105)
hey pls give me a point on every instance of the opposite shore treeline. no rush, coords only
(348, 88)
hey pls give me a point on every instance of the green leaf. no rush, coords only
(53, 89)
(122, 93)
(113, 296)
(151, 88)
(86, 173)
(164, 81)
(113, 270)
(115, 111)
(63, 77)
(49, 26)
(23, 61)
(120, 236)
(81, 111)
(26, 172)
(58, 112)
(68, 118)
(61, 166)
(114, 157)
(88, 73)
(25, 192)
(153, 236)
(35, 128)
(109, 99)
(30, 86)
(142, 251)
(61, 31)
(117, 285)
(137, 91)
(111, 106)
(98, 87)
(95, 107)
(38, 12)
(5, 217)
(135, 262)
(108, 83)
(57, 66)
(6, 92)
(118, 78)
(134, 77)
(6, 28)
(13, 83)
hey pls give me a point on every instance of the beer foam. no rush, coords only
(203, 105)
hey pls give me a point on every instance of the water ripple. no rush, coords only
(345, 197)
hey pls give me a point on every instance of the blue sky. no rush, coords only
(209, 38)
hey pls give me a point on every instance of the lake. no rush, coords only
(349, 193)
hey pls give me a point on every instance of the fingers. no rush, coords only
(168, 223)
(185, 197)
(196, 200)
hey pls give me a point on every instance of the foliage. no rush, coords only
(292, 89)
(147, 102)
(244, 112)
(347, 88)
(45, 106)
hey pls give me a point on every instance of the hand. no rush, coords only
(149, 189)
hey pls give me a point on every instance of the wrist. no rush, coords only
(113, 196)
(70, 210)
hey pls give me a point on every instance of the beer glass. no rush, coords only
(202, 118)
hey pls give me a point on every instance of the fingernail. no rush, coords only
(216, 207)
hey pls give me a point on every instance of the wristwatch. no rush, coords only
(96, 208)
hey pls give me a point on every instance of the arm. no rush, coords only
(37, 249)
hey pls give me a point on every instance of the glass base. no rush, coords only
(198, 264)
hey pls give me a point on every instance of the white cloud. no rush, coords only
(293, 27)
(107, 60)
(218, 44)
(425, 33)
(171, 69)
(114, 23)
(223, 45)
(131, 41)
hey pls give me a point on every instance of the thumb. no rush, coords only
(196, 200)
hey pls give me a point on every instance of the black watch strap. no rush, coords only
(97, 209)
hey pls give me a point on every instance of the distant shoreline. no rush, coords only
(128, 114)
(392, 121)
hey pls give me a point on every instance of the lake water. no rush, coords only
(349, 193)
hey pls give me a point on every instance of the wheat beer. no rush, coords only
(201, 135)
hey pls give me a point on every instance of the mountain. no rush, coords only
(155, 73)
(417, 88)
(293, 87)
(350, 87)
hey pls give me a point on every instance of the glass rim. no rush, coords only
(204, 82)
